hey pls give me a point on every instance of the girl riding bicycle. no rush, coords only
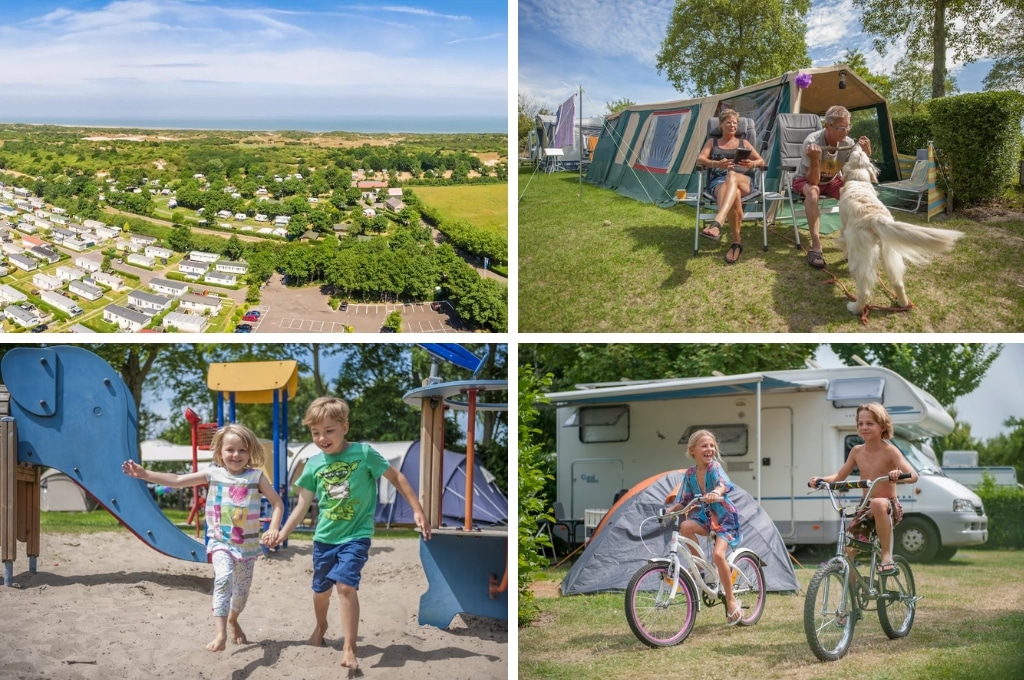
(708, 479)
(876, 457)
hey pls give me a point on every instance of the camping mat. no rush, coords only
(829, 216)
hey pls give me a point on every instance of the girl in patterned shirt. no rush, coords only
(232, 519)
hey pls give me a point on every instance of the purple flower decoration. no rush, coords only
(803, 81)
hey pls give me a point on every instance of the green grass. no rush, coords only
(969, 625)
(591, 260)
(482, 205)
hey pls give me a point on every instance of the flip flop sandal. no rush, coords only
(816, 259)
(737, 613)
(706, 233)
(737, 247)
(887, 569)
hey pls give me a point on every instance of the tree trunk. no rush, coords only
(939, 50)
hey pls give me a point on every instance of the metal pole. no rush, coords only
(470, 437)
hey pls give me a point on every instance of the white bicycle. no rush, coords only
(661, 598)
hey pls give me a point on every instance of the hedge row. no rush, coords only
(468, 237)
(1004, 508)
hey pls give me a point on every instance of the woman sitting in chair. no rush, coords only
(729, 180)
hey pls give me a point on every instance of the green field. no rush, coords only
(483, 205)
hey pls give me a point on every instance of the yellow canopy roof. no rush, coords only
(254, 382)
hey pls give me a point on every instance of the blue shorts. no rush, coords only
(339, 563)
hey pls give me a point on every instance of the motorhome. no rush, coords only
(775, 430)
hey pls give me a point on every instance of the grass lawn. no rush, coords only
(482, 205)
(969, 625)
(591, 260)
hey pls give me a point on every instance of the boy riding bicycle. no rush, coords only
(876, 457)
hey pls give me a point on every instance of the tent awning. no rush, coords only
(683, 388)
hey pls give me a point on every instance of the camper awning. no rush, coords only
(683, 388)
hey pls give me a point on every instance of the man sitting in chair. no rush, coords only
(820, 172)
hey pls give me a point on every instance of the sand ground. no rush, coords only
(107, 606)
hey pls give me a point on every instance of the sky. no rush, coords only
(564, 45)
(252, 58)
(997, 398)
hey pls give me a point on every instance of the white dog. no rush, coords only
(869, 234)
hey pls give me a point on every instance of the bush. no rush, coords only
(912, 132)
(533, 504)
(1004, 507)
(980, 136)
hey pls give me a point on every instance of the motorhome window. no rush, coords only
(603, 424)
(917, 459)
(847, 392)
(732, 439)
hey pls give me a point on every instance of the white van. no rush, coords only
(775, 430)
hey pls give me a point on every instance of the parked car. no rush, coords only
(251, 317)
(344, 306)
(387, 329)
(243, 328)
(436, 306)
(253, 312)
(41, 328)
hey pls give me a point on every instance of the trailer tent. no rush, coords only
(616, 551)
(543, 137)
(60, 493)
(648, 151)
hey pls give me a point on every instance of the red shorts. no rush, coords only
(830, 188)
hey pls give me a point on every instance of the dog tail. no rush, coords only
(917, 244)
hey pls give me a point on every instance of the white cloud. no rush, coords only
(832, 24)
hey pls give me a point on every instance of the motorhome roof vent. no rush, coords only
(847, 392)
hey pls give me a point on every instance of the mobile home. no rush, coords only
(775, 430)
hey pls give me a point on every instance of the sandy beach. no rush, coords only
(106, 606)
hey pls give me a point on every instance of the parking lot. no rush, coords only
(306, 311)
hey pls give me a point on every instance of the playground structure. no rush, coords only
(462, 564)
(64, 407)
(61, 402)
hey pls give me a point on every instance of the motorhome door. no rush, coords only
(595, 481)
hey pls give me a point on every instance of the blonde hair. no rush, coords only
(257, 457)
(727, 113)
(326, 408)
(880, 415)
(691, 443)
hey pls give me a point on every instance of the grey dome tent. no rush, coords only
(615, 551)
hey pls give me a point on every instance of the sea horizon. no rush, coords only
(356, 124)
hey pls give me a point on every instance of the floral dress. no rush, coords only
(720, 516)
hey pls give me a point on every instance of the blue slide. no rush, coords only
(74, 413)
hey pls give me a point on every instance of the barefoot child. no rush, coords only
(232, 519)
(708, 479)
(876, 457)
(344, 478)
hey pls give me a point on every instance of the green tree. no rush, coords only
(529, 109)
(935, 26)
(394, 321)
(619, 105)
(911, 88)
(1008, 69)
(714, 46)
(181, 240)
(946, 371)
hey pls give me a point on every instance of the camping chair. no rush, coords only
(916, 185)
(792, 130)
(706, 199)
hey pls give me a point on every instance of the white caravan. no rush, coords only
(775, 430)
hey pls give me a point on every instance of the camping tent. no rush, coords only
(59, 493)
(489, 504)
(648, 151)
(543, 136)
(615, 551)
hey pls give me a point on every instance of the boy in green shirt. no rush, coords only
(344, 478)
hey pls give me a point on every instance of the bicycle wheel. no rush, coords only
(829, 613)
(748, 586)
(896, 604)
(654, 617)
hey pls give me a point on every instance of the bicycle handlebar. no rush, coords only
(846, 485)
